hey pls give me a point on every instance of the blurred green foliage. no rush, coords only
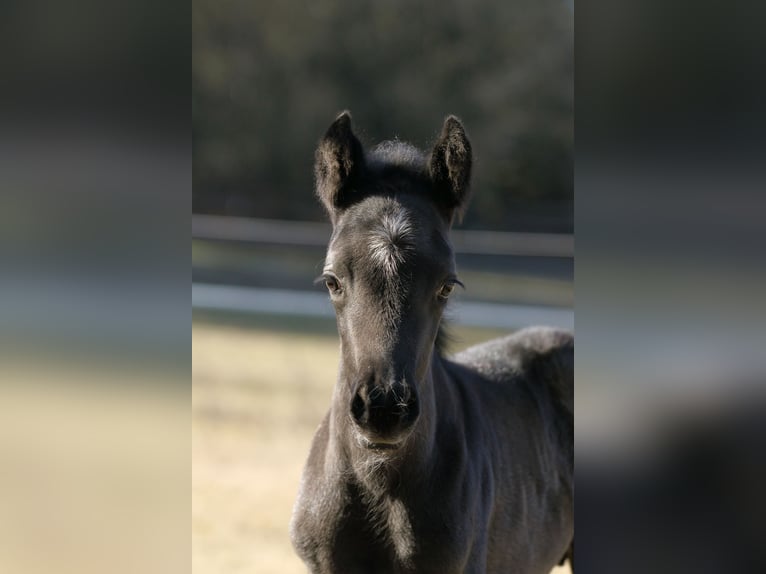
(269, 77)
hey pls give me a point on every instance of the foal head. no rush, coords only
(389, 267)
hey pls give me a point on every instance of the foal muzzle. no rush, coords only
(385, 413)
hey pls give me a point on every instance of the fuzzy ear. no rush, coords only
(338, 164)
(450, 167)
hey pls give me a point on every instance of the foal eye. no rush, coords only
(332, 284)
(447, 288)
(445, 291)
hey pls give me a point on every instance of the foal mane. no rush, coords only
(444, 337)
(397, 154)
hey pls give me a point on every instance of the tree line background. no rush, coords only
(269, 77)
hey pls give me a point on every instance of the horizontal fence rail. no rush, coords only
(312, 234)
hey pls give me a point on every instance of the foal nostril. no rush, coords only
(409, 409)
(359, 405)
(405, 400)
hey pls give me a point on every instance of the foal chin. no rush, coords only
(381, 445)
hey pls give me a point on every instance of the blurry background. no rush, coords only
(267, 80)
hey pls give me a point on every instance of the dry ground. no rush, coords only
(258, 394)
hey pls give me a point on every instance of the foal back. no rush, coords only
(537, 356)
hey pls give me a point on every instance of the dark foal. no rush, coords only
(425, 464)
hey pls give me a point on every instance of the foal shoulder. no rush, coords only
(538, 355)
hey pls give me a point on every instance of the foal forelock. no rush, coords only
(389, 242)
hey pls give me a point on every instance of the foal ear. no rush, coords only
(450, 167)
(338, 164)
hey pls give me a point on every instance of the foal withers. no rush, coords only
(423, 464)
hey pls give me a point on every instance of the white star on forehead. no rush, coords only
(390, 240)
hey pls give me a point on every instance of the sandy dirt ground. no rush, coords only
(257, 397)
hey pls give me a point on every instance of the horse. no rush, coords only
(426, 464)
